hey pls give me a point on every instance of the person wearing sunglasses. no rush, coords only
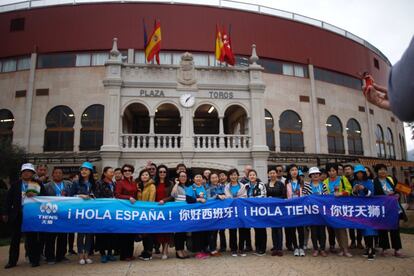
(127, 188)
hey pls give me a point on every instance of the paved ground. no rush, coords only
(228, 265)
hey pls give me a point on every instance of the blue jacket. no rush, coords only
(214, 191)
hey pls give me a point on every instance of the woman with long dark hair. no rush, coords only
(126, 188)
(255, 188)
(105, 188)
(178, 192)
(84, 188)
(294, 189)
(163, 194)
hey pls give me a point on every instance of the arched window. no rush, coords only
(335, 136)
(380, 144)
(389, 138)
(291, 135)
(59, 129)
(167, 119)
(270, 133)
(206, 120)
(235, 120)
(91, 134)
(353, 131)
(6, 125)
(136, 119)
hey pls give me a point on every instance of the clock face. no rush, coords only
(187, 100)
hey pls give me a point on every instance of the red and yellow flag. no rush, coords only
(224, 51)
(219, 45)
(153, 46)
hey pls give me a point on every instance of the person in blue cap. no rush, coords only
(363, 186)
(84, 188)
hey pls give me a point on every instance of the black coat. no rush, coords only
(13, 205)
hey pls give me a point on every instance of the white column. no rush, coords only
(259, 151)
(111, 150)
(371, 149)
(221, 132)
(29, 102)
(315, 110)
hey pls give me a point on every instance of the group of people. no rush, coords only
(155, 184)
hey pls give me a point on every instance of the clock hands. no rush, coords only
(187, 99)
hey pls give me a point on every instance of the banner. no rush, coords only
(68, 214)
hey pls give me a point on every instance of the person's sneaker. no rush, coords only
(352, 246)
(157, 251)
(201, 256)
(274, 252)
(366, 253)
(371, 256)
(72, 252)
(302, 252)
(259, 253)
(315, 253)
(222, 250)
(279, 253)
(111, 258)
(332, 250)
(88, 261)
(305, 247)
(145, 256)
(398, 254)
(82, 261)
(242, 253)
(248, 249)
(164, 257)
(215, 253)
(323, 253)
(296, 252)
(348, 255)
(341, 253)
(35, 264)
(104, 259)
(234, 253)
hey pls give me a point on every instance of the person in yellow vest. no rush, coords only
(337, 186)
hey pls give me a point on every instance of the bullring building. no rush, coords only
(75, 86)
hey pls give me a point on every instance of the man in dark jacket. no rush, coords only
(13, 214)
(56, 241)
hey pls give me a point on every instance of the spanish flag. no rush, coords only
(219, 45)
(224, 50)
(152, 48)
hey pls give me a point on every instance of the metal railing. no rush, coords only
(29, 4)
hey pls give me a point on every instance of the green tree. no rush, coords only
(12, 157)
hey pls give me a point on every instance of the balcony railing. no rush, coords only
(205, 142)
(146, 142)
(173, 142)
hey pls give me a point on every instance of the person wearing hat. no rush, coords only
(13, 214)
(362, 186)
(84, 188)
(318, 232)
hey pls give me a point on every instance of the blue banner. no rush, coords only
(66, 214)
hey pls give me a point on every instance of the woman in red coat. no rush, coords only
(127, 188)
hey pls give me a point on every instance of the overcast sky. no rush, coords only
(386, 24)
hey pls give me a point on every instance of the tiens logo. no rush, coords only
(48, 208)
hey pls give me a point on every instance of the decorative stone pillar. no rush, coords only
(259, 149)
(111, 150)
